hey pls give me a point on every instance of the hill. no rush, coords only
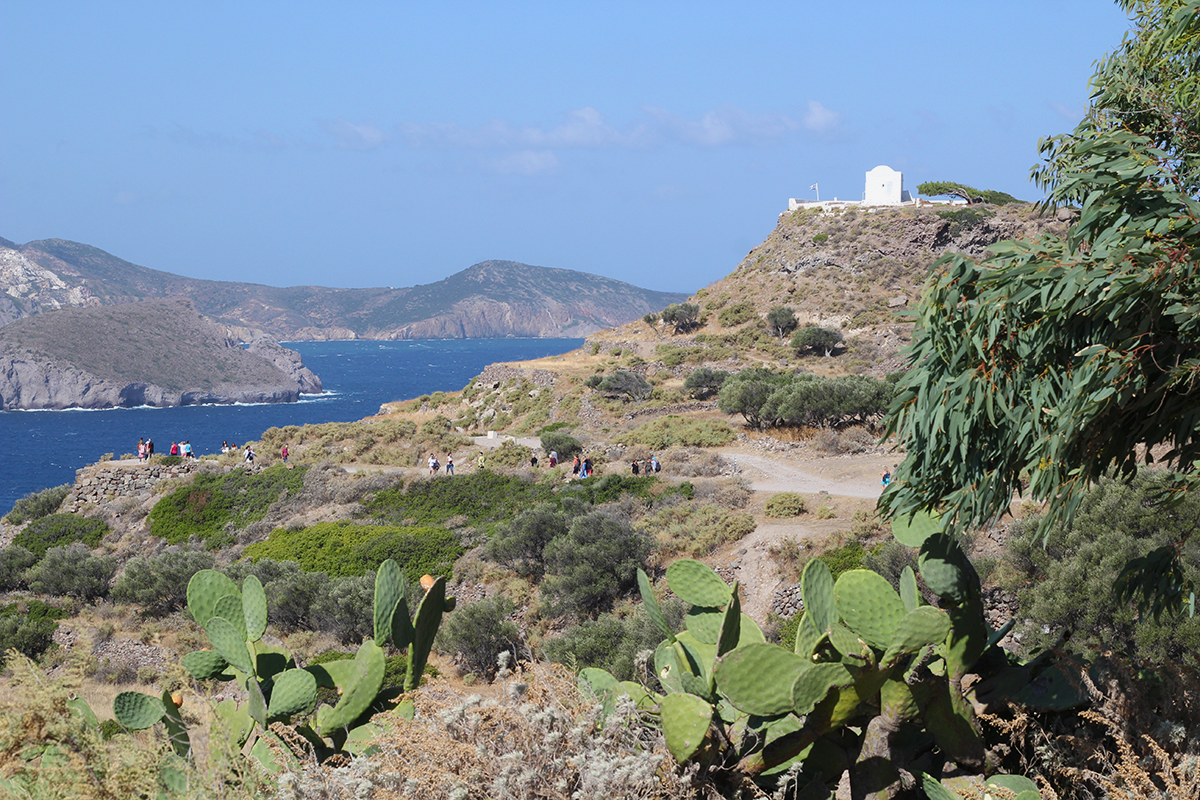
(490, 299)
(158, 353)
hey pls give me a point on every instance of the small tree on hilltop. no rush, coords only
(813, 339)
(682, 316)
(968, 193)
(705, 382)
(627, 383)
(782, 320)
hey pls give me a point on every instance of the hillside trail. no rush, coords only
(844, 484)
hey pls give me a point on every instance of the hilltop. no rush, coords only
(490, 299)
(158, 353)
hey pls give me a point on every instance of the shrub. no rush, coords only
(652, 318)
(681, 316)
(510, 454)
(28, 626)
(812, 339)
(613, 643)
(520, 544)
(736, 314)
(477, 633)
(889, 559)
(158, 583)
(563, 443)
(216, 505)
(824, 512)
(624, 382)
(782, 320)
(592, 565)
(74, 572)
(785, 504)
(845, 558)
(704, 382)
(345, 548)
(14, 561)
(343, 607)
(1069, 583)
(313, 601)
(483, 498)
(820, 238)
(676, 431)
(36, 505)
(60, 530)
(695, 529)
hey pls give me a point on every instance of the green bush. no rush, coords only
(624, 382)
(58, 530)
(14, 561)
(704, 382)
(782, 320)
(313, 601)
(676, 431)
(73, 572)
(483, 498)
(477, 633)
(736, 314)
(813, 339)
(1068, 583)
(613, 643)
(563, 443)
(214, 506)
(519, 545)
(349, 549)
(158, 583)
(592, 565)
(695, 529)
(845, 558)
(510, 454)
(785, 504)
(37, 504)
(28, 626)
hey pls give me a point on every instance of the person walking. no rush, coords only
(576, 466)
(283, 453)
(141, 450)
(249, 457)
(149, 448)
(586, 470)
(174, 448)
(633, 466)
(449, 464)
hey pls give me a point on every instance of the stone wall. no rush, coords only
(99, 483)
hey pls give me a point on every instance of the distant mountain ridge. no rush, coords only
(491, 299)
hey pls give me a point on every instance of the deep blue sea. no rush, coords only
(44, 448)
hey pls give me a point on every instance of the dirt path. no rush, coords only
(843, 484)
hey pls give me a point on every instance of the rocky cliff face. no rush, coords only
(157, 353)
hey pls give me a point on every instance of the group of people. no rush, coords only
(645, 466)
(145, 449)
(435, 465)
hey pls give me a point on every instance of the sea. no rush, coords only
(39, 449)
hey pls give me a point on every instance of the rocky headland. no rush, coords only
(153, 353)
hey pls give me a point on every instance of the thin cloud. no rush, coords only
(583, 128)
(727, 125)
(526, 162)
(820, 119)
(350, 136)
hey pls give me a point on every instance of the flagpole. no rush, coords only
(817, 187)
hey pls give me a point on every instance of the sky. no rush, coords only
(365, 144)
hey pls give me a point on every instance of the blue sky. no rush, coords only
(391, 144)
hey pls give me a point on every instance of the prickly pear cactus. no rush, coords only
(137, 711)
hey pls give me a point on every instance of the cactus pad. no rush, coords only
(704, 623)
(813, 684)
(254, 608)
(204, 665)
(846, 642)
(909, 595)
(203, 591)
(369, 666)
(697, 584)
(229, 607)
(816, 589)
(229, 643)
(869, 605)
(946, 570)
(731, 625)
(685, 721)
(389, 589)
(757, 678)
(235, 720)
(425, 626)
(912, 530)
(668, 667)
(650, 603)
(295, 692)
(921, 627)
(137, 711)
(177, 733)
